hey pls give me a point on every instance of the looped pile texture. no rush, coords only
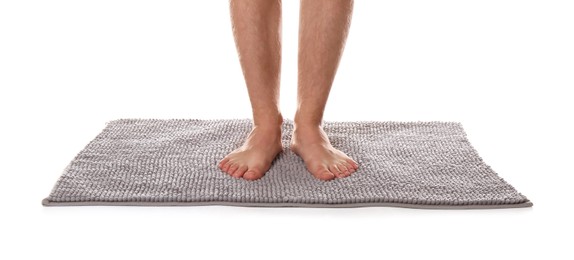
(173, 162)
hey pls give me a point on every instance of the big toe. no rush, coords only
(253, 174)
(324, 174)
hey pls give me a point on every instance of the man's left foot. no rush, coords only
(321, 159)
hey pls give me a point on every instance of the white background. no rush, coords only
(502, 68)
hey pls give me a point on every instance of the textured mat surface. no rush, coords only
(173, 162)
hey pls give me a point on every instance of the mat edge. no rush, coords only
(47, 203)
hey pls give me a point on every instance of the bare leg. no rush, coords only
(257, 33)
(323, 30)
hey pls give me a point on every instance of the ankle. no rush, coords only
(268, 123)
(307, 123)
(268, 130)
(308, 133)
(306, 126)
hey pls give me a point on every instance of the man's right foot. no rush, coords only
(253, 159)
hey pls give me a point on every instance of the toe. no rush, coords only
(350, 168)
(333, 168)
(325, 174)
(226, 165)
(252, 174)
(353, 163)
(236, 173)
(344, 170)
(232, 168)
(239, 171)
(222, 162)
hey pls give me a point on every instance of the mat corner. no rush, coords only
(46, 202)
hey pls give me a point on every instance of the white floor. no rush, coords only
(502, 68)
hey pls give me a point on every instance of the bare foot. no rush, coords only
(255, 156)
(321, 159)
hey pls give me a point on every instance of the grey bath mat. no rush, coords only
(173, 162)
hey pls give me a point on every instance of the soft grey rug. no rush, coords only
(173, 162)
